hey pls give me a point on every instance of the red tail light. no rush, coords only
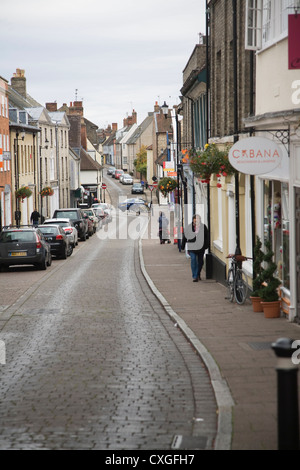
(59, 237)
(38, 242)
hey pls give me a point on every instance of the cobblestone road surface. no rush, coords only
(94, 362)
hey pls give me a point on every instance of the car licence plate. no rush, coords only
(18, 253)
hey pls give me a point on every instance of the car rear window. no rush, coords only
(61, 224)
(49, 230)
(66, 215)
(7, 237)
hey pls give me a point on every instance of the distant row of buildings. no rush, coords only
(58, 148)
(43, 147)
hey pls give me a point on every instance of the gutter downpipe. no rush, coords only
(252, 180)
(236, 121)
(208, 257)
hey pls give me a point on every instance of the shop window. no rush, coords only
(276, 226)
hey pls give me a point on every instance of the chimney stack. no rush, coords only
(18, 82)
(156, 107)
(51, 107)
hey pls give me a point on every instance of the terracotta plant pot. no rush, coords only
(256, 304)
(271, 309)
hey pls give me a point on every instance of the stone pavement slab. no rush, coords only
(235, 343)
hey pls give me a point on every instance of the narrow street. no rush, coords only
(93, 361)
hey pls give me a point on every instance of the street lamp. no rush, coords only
(41, 172)
(17, 176)
(165, 110)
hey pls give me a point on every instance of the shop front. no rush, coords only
(268, 159)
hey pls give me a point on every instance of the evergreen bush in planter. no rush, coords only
(269, 291)
(257, 273)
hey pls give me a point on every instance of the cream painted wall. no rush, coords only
(275, 81)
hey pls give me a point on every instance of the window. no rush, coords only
(267, 21)
(253, 24)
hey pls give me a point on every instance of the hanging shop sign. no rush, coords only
(294, 42)
(255, 156)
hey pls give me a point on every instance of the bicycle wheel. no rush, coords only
(240, 286)
(230, 288)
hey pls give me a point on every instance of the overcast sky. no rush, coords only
(118, 54)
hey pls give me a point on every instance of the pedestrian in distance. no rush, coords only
(34, 218)
(163, 228)
(196, 236)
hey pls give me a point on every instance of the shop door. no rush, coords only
(297, 208)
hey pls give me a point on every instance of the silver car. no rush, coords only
(127, 179)
(68, 227)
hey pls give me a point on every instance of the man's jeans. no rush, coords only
(196, 263)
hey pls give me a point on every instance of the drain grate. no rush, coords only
(189, 442)
(260, 346)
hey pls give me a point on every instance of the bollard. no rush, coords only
(287, 396)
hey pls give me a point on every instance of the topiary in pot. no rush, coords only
(257, 276)
(269, 291)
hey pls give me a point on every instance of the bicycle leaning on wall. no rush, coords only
(237, 280)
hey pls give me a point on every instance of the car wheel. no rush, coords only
(49, 260)
(65, 253)
(83, 238)
(43, 266)
(70, 250)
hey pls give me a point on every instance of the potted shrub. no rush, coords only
(257, 276)
(269, 291)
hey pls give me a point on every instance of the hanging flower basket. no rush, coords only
(209, 161)
(47, 191)
(23, 192)
(167, 185)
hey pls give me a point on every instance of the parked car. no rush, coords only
(111, 170)
(78, 219)
(101, 215)
(118, 173)
(58, 240)
(24, 245)
(69, 228)
(133, 204)
(92, 216)
(126, 179)
(106, 208)
(137, 188)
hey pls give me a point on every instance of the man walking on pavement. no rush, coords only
(34, 218)
(196, 235)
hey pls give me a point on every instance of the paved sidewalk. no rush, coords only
(233, 341)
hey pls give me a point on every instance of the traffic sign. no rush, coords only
(104, 186)
(151, 187)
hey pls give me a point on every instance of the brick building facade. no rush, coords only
(5, 157)
(224, 86)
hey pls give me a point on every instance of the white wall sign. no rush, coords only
(255, 156)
